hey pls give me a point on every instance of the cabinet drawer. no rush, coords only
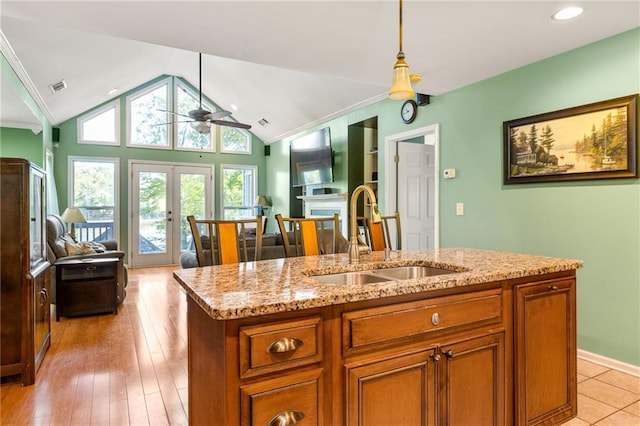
(277, 346)
(293, 399)
(88, 272)
(385, 324)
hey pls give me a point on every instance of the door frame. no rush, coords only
(431, 136)
(130, 192)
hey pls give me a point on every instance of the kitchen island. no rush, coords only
(493, 342)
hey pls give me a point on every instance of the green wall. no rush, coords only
(69, 146)
(597, 222)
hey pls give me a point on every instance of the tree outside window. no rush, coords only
(147, 126)
(238, 191)
(234, 140)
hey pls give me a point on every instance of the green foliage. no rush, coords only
(146, 121)
(235, 139)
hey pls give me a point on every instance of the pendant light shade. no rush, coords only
(401, 84)
(202, 127)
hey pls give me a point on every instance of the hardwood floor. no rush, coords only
(129, 368)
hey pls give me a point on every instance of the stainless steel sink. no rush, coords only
(397, 273)
(352, 278)
(410, 272)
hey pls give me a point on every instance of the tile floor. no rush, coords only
(606, 397)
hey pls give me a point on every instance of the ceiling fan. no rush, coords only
(201, 119)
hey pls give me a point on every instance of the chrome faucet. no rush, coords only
(356, 245)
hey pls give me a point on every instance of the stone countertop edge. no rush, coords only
(280, 285)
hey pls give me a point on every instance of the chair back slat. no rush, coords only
(311, 236)
(379, 235)
(228, 241)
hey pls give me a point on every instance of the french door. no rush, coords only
(162, 196)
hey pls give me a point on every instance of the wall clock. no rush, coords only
(409, 111)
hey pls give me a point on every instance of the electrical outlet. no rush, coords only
(449, 173)
(460, 209)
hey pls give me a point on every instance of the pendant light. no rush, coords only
(401, 84)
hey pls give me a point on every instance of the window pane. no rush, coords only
(236, 140)
(187, 137)
(238, 192)
(146, 122)
(94, 194)
(100, 128)
(192, 202)
(153, 212)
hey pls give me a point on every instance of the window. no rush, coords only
(239, 185)
(146, 126)
(186, 137)
(101, 126)
(94, 190)
(234, 140)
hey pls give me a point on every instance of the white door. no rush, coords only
(162, 196)
(411, 185)
(416, 195)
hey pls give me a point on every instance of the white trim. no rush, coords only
(614, 364)
(390, 178)
(115, 105)
(168, 82)
(11, 57)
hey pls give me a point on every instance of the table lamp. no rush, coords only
(73, 215)
(261, 202)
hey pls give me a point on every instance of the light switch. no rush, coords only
(460, 209)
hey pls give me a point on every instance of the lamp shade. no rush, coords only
(401, 84)
(202, 127)
(261, 201)
(73, 215)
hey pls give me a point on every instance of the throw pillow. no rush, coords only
(78, 249)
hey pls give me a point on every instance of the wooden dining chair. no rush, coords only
(219, 242)
(309, 236)
(378, 235)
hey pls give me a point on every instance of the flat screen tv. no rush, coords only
(312, 159)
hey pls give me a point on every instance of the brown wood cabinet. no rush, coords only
(545, 352)
(471, 355)
(25, 306)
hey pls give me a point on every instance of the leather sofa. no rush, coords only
(57, 243)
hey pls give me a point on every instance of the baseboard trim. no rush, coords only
(634, 370)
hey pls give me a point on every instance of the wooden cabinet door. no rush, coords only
(545, 352)
(42, 316)
(396, 390)
(472, 381)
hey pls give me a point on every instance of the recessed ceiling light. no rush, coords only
(112, 91)
(567, 13)
(234, 107)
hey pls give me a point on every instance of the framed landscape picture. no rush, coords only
(595, 141)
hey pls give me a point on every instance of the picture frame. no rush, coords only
(594, 141)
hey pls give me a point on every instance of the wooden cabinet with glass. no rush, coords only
(25, 315)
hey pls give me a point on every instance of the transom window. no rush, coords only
(234, 140)
(239, 186)
(101, 126)
(146, 126)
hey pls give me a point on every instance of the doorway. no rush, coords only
(411, 185)
(162, 195)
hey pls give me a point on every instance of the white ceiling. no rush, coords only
(294, 63)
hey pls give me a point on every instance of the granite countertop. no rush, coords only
(280, 285)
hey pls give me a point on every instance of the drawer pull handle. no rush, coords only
(553, 287)
(91, 268)
(435, 319)
(286, 418)
(284, 344)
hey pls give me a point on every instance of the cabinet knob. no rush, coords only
(448, 354)
(284, 344)
(435, 319)
(286, 418)
(435, 357)
(552, 287)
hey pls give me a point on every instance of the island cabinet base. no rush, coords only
(471, 355)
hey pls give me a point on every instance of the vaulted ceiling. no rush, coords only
(293, 63)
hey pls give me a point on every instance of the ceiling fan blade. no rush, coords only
(174, 113)
(217, 115)
(230, 124)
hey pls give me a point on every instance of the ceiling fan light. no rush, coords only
(401, 83)
(201, 127)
